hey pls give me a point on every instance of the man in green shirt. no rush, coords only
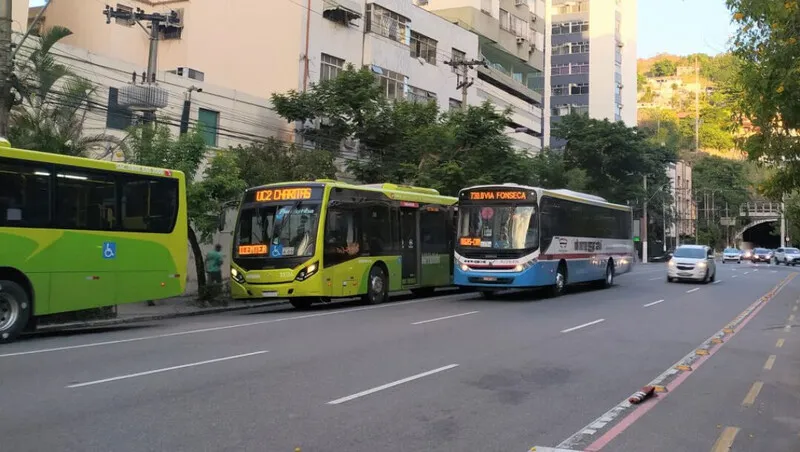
(214, 265)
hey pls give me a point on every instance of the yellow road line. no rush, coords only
(779, 344)
(725, 440)
(770, 362)
(750, 398)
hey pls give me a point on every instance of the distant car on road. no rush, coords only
(787, 256)
(747, 255)
(692, 262)
(762, 255)
(732, 255)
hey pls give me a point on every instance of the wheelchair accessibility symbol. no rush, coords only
(109, 250)
(276, 251)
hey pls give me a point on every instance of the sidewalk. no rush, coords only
(163, 309)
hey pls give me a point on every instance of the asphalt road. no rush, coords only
(445, 373)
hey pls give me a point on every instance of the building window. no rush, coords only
(565, 28)
(388, 23)
(578, 27)
(566, 109)
(208, 124)
(420, 95)
(454, 104)
(125, 9)
(393, 84)
(423, 47)
(571, 8)
(580, 47)
(504, 20)
(457, 55)
(330, 67)
(618, 53)
(579, 88)
(117, 117)
(511, 23)
(579, 68)
(561, 49)
(560, 90)
(618, 112)
(559, 69)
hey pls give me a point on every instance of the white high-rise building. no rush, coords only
(591, 55)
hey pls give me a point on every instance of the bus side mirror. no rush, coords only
(221, 220)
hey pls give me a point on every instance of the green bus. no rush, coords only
(322, 240)
(77, 234)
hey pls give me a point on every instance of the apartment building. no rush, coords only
(592, 56)
(684, 209)
(511, 41)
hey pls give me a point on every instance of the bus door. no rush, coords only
(409, 242)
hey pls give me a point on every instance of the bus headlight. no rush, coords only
(464, 268)
(237, 276)
(307, 272)
(519, 268)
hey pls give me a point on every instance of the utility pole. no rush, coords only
(6, 66)
(156, 20)
(464, 81)
(644, 228)
(696, 106)
(783, 222)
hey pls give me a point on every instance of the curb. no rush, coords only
(144, 318)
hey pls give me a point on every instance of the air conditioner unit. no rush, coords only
(520, 39)
(532, 48)
(186, 72)
(620, 44)
(533, 18)
(520, 2)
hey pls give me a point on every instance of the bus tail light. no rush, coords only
(307, 272)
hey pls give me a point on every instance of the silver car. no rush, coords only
(731, 255)
(692, 262)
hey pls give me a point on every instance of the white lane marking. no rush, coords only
(717, 281)
(445, 318)
(734, 276)
(746, 273)
(755, 270)
(165, 369)
(220, 328)
(652, 304)
(391, 385)
(653, 279)
(693, 290)
(774, 271)
(568, 330)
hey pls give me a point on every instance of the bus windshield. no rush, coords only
(513, 227)
(277, 230)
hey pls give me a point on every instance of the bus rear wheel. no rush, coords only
(608, 281)
(15, 310)
(377, 287)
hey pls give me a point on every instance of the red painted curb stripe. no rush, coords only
(640, 410)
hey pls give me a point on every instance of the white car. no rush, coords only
(787, 256)
(692, 262)
(732, 255)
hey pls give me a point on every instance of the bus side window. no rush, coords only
(24, 194)
(342, 233)
(377, 229)
(85, 200)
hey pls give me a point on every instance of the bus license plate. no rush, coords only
(269, 293)
(489, 278)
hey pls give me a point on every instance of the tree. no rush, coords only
(51, 103)
(551, 172)
(272, 161)
(720, 187)
(641, 81)
(767, 46)
(663, 68)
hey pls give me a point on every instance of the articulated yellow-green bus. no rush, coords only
(77, 234)
(317, 241)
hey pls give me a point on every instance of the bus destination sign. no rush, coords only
(283, 194)
(498, 195)
(246, 250)
(469, 241)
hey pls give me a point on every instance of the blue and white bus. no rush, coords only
(514, 236)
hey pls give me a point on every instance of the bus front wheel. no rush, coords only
(561, 281)
(377, 286)
(15, 310)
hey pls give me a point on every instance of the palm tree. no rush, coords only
(52, 103)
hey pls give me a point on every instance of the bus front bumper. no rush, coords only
(265, 288)
(534, 276)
